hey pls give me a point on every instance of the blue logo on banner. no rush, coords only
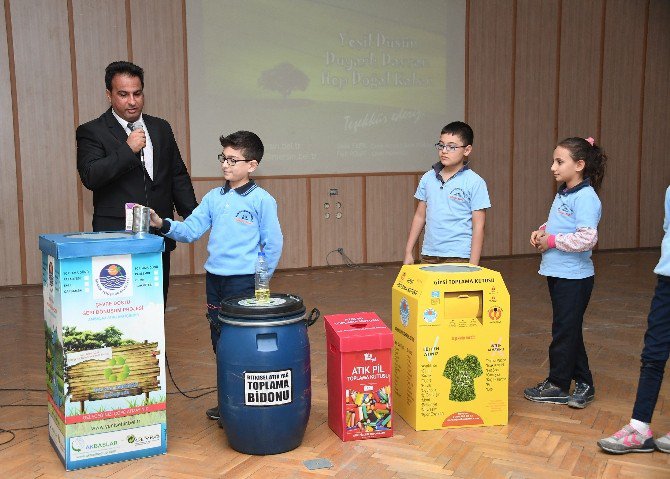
(113, 277)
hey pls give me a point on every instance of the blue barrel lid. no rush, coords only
(104, 243)
(278, 307)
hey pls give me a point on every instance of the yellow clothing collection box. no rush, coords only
(451, 346)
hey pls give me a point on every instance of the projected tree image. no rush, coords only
(283, 78)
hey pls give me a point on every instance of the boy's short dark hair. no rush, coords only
(246, 141)
(461, 130)
(122, 68)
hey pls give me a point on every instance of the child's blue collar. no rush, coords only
(437, 167)
(243, 190)
(563, 190)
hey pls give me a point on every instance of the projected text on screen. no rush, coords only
(329, 86)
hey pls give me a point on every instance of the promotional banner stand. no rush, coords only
(105, 346)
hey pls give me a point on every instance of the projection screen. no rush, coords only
(330, 86)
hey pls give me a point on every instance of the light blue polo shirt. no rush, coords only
(577, 207)
(243, 221)
(449, 207)
(663, 266)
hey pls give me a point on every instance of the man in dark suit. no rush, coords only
(127, 157)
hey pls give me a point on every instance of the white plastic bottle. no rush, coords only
(262, 279)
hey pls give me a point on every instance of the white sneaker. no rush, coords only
(663, 443)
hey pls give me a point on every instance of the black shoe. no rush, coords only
(582, 395)
(213, 413)
(548, 392)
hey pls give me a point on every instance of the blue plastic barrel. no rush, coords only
(264, 373)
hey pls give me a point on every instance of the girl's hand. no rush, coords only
(409, 259)
(542, 242)
(155, 220)
(534, 238)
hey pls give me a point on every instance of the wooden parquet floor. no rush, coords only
(540, 441)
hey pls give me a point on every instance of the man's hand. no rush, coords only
(137, 140)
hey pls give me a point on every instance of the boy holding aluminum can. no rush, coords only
(243, 219)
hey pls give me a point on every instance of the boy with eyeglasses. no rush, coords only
(452, 203)
(243, 219)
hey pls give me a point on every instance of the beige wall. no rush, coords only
(535, 73)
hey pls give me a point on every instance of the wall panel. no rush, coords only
(579, 81)
(158, 46)
(10, 256)
(621, 105)
(292, 201)
(656, 125)
(390, 207)
(534, 117)
(46, 127)
(528, 84)
(100, 38)
(490, 89)
(332, 233)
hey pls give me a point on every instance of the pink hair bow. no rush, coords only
(590, 140)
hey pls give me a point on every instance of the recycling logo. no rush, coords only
(118, 370)
(76, 444)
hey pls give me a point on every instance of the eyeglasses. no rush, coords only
(448, 148)
(230, 161)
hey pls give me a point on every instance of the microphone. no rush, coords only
(132, 127)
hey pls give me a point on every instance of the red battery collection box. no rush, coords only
(359, 376)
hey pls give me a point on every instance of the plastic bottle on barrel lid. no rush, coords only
(262, 279)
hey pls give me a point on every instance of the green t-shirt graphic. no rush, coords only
(462, 373)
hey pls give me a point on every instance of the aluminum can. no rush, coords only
(141, 219)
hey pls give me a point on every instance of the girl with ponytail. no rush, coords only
(566, 241)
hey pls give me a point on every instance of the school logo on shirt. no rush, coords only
(458, 194)
(244, 216)
(565, 210)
